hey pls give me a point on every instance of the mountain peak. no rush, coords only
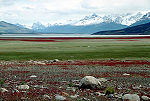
(94, 15)
(37, 26)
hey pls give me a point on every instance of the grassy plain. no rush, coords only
(79, 49)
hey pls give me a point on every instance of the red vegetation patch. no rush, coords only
(31, 39)
(57, 39)
(105, 63)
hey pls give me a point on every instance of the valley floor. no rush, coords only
(47, 79)
(51, 68)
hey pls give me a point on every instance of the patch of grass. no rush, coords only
(109, 90)
(74, 50)
(2, 82)
(70, 84)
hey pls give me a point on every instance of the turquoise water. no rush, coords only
(66, 35)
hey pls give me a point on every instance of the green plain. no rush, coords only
(93, 49)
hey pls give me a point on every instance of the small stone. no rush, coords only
(110, 95)
(131, 97)
(46, 97)
(33, 76)
(99, 94)
(118, 96)
(137, 87)
(74, 96)
(125, 74)
(145, 98)
(23, 87)
(15, 90)
(55, 60)
(71, 61)
(86, 99)
(75, 80)
(24, 98)
(3, 90)
(58, 97)
(40, 63)
(71, 89)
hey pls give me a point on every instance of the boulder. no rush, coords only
(131, 97)
(89, 82)
(23, 87)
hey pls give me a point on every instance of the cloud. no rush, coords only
(116, 6)
(51, 11)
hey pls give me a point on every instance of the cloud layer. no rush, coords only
(51, 11)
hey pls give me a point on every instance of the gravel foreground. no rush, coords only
(52, 80)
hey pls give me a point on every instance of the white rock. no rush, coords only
(71, 89)
(33, 76)
(3, 90)
(131, 97)
(74, 96)
(99, 94)
(23, 87)
(145, 98)
(24, 98)
(58, 97)
(55, 60)
(89, 81)
(137, 87)
(39, 63)
(125, 74)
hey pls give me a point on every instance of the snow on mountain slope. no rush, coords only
(131, 18)
(38, 26)
(93, 19)
(124, 19)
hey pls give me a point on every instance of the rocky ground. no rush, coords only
(59, 80)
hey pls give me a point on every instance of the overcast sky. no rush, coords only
(51, 11)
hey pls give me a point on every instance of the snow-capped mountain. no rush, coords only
(38, 26)
(125, 19)
(93, 23)
(92, 19)
(129, 19)
(143, 20)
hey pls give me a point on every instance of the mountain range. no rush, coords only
(6, 28)
(94, 23)
(143, 29)
(87, 25)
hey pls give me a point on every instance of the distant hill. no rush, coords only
(143, 29)
(86, 29)
(11, 28)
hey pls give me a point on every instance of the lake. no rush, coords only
(66, 35)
